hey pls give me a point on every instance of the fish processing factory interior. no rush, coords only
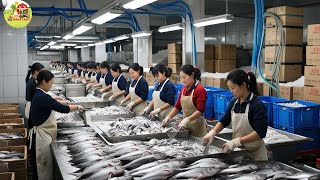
(159, 89)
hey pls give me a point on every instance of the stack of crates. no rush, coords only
(221, 102)
(268, 102)
(209, 112)
(299, 120)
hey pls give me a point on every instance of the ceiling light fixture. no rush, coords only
(90, 45)
(141, 34)
(99, 43)
(213, 20)
(122, 37)
(102, 17)
(135, 4)
(52, 43)
(44, 47)
(108, 41)
(66, 44)
(82, 28)
(172, 27)
(77, 47)
(68, 36)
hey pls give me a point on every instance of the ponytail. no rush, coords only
(162, 69)
(136, 67)
(239, 77)
(35, 67)
(189, 69)
(28, 75)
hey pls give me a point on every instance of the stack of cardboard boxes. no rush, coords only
(312, 70)
(209, 58)
(174, 57)
(291, 64)
(225, 58)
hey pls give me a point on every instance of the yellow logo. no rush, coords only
(18, 14)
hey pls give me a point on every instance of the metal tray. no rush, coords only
(79, 123)
(87, 117)
(92, 104)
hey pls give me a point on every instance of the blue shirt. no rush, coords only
(42, 105)
(79, 72)
(108, 78)
(258, 117)
(98, 77)
(168, 92)
(142, 88)
(122, 83)
(89, 75)
(31, 88)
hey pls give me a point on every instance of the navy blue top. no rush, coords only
(168, 92)
(42, 105)
(89, 75)
(98, 76)
(31, 88)
(142, 88)
(122, 83)
(258, 117)
(73, 69)
(108, 79)
(79, 72)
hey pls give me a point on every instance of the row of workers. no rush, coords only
(246, 112)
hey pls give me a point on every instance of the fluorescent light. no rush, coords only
(135, 4)
(99, 43)
(91, 45)
(82, 28)
(67, 44)
(68, 36)
(213, 20)
(108, 41)
(56, 47)
(141, 34)
(44, 47)
(103, 17)
(172, 27)
(122, 37)
(77, 47)
(85, 46)
(52, 43)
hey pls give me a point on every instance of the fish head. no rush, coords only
(160, 156)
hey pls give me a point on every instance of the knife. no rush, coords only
(206, 149)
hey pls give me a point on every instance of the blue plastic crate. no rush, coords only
(296, 118)
(150, 92)
(210, 91)
(218, 115)
(178, 88)
(222, 100)
(313, 133)
(209, 113)
(268, 102)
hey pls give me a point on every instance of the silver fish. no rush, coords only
(132, 156)
(145, 166)
(144, 160)
(252, 177)
(264, 172)
(246, 168)
(86, 159)
(9, 155)
(300, 175)
(159, 174)
(280, 174)
(168, 165)
(199, 173)
(207, 160)
(218, 165)
(107, 173)
(122, 178)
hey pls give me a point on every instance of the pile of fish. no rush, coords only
(292, 104)
(10, 136)
(67, 117)
(275, 137)
(88, 98)
(10, 155)
(135, 126)
(111, 110)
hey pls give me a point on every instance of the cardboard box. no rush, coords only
(220, 83)
(288, 73)
(210, 81)
(222, 51)
(314, 35)
(209, 51)
(298, 93)
(312, 94)
(293, 36)
(7, 176)
(11, 123)
(173, 78)
(150, 79)
(175, 58)
(175, 67)
(286, 92)
(260, 88)
(204, 81)
(16, 141)
(289, 16)
(223, 66)
(312, 76)
(313, 56)
(209, 66)
(267, 89)
(174, 48)
(291, 54)
(233, 52)
(13, 165)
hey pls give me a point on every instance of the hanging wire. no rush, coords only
(227, 7)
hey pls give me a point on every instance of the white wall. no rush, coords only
(13, 63)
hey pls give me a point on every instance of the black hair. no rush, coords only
(189, 69)
(35, 67)
(44, 75)
(90, 66)
(136, 67)
(162, 69)
(116, 67)
(239, 77)
(150, 69)
(84, 65)
(96, 65)
(104, 64)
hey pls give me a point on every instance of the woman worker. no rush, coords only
(90, 69)
(248, 116)
(106, 78)
(44, 130)
(119, 85)
(163, 96)
(31, 88)
(138, 90)
(192, 102)
(95, 77)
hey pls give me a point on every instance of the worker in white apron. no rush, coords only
(94, 76)
(164, 93)
(248, 116)
(44, 131)
(138, 92)
(192, 102)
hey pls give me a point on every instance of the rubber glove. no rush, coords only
(130, 105)
(104, 95)
(184, 122)
(155, 112)
(209, 137)
(111, 98)
(80, 108)
(166, 121)
(231, 145)
(146, 110)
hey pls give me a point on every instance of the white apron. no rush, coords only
(137, 108)
(196, 127)
(87, 75)
(75, 72)
(158, 102)
(45, 134)
(27, 110)
(82, 74)
(241, 127)
(103, 81)
(93, 77)
(116, 90)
